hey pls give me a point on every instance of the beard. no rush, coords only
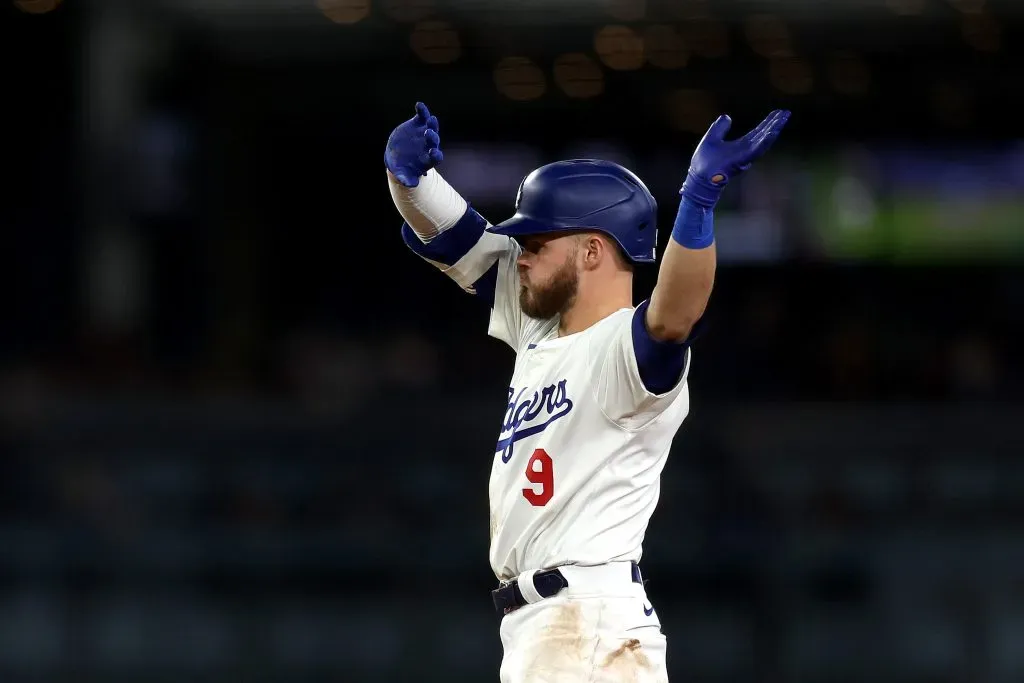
(553, 298)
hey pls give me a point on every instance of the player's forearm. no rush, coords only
(687, 274)
(431, 207)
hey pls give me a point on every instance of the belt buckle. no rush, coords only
(511, 585)
(505, 586)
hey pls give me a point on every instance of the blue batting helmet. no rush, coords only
(587, 194)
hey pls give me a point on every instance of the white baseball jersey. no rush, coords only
(582, 443)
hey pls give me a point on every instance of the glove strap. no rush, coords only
(702, 191)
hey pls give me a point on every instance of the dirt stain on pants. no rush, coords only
(566, 649)
(563, 652)
(627, 664)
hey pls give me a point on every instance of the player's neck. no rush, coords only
(595, 303)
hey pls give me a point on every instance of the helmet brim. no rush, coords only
(521, 226)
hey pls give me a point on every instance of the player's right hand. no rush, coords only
(413, 147)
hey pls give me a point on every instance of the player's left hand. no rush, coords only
(716, 160)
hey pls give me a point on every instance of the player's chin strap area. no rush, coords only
(534, 585)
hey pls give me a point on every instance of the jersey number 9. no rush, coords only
(541, 473)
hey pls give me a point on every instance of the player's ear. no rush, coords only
(593, 249)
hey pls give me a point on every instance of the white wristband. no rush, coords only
(431, 207)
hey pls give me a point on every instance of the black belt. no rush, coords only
(508, 598)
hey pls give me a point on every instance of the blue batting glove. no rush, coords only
(413, 147)
(717, 161)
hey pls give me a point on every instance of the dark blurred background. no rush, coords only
(246, 434)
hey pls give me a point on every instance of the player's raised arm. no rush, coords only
(687, 270)
(442, 228)
(439, 224)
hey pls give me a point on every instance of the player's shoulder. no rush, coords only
(613, 323)
(608, 333)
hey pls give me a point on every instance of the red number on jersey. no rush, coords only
(540, 472)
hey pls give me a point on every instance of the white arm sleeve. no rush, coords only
(431, 207)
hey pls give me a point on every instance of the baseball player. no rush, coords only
(599, 386)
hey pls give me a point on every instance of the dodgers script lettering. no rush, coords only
(528, 415)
